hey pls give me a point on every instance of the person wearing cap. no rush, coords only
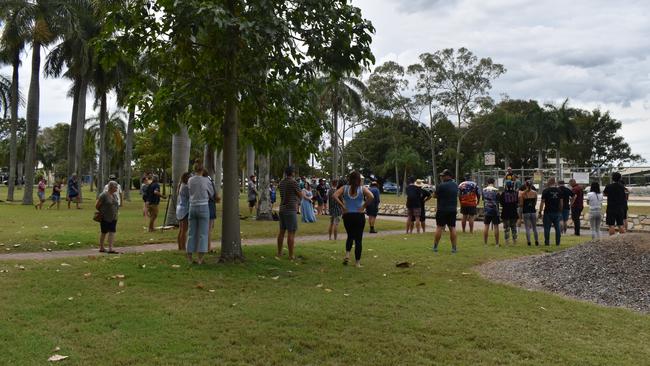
(413, 194)
(425, 195)
(290, 197)
(119, 194)
(447, 196)
(490, 211)
(469, 196)
(567, 197)
(509, 201)
(372, 210)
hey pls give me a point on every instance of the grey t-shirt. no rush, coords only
(252, 195)
(201, 189)
(108, 206)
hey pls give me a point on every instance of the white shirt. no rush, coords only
(595, 201)
(117, 194)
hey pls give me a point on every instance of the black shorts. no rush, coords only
(491, 219)
(288, 221)
(372, 211)
(615, 218)
(212, 206)
(252, 203)
(108, 227)
(446, 219)
(468, 210)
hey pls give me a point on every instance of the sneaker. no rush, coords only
(536, 243)
(435, 248)
(528, 243)
(454, 250)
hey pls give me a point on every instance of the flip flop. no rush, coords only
(102, 250)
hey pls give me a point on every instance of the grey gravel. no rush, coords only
(613, 272)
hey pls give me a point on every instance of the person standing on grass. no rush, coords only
(144, 184)
(567, 197)
(353, 198)
(119, 194)
(527, 203)
(108, 208)
(424, 197)
(252, 194)
(56, 195)
(200, 189)
(42, 184)
(491, 211)
(509, 201)
(183, 210)
(372, 210)
(306, 205)
(153, 200)
(413, 208)
(552, 206)
(595, 202)
(272, 193)
(290, 196)
(73, 191)
(469, 196)
(577, 204)
(447, 196)
(616, 205)
(322, 192)
(335, 211)
(212, 206)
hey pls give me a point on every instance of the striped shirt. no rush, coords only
(289, 195)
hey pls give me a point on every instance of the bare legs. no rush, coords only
(486, 230)
(452, 236)
(102, 239)
(290, 243)
(182, 234)
(468, 219)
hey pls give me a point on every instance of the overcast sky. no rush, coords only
(594, 52)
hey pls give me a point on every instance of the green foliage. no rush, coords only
(52, 148)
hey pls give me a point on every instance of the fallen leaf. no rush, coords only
(56, 358)
(7, 249)
(403, 265)
(466, 274)
(70, 298)
(56, 349)
(143, 266)
(71, 244)
(384, 275)
(261, 256)
(121, 284)
(49, 249)
(346, 294)
(21, 267)
(87, 274)
(233, 304)
(200, 286)
(16, 245)
(211, 290)
(370, 250)
(275, 278)
(119, 276)
(319, 285)
(176, 266)
(375, 256)
(45, 227)
(65, 265)
(543, 308)
(328, 290)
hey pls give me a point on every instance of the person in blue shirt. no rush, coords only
(372, 210)
(447, 196)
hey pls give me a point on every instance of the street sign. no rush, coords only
(581, 178)
(490, 158)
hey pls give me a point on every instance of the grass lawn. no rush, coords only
(311, 312)
(73, 229)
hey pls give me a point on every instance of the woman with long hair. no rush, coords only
(595, 201)
(306, 206)
(353, 199)
(527, 202)
(201, 189)
(183, 210)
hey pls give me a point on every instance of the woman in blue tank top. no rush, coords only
(355, 198)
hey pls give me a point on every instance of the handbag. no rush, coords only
(98, 216)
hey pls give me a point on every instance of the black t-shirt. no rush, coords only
(321, 189)
(509, 200)
(551, 197)
(616, 201)
(566, 193)
(152, 198)
(424, 194)
(413, 194)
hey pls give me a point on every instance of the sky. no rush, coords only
(594, 52)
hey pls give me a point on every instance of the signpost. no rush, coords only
(490, 158)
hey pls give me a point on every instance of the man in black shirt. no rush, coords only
(616, 204)
(567, 194)
(413, 194)
(552, 206)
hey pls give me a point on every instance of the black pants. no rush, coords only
(354, 223)
(575, 216)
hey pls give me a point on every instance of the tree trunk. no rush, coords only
(13, 144)
(558, 169)
(101, 171)
(458, 157)
(434, 168)
(231, 248)
(72, 134)
(81, 125)
(128, 154)
(208, 159)
(341, 152)
(540, 161)
(335, 140)
(181, 147)
(33, 100)
(250, 161)
(404, 182)
(218, 171)
(397, 191)
(264, 211)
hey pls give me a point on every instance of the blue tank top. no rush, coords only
(353, 204)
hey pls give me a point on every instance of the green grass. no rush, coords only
(66, 229)
(276, 312)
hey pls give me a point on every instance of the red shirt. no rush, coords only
(578, 197)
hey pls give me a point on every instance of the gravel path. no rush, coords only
(613, 272)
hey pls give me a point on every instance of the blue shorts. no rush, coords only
(56, 198)
(566, 214)
(41, 196)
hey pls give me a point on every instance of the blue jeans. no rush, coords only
(199, 224)
(554, 219)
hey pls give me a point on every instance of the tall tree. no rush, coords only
(181, 148)
(561, 129)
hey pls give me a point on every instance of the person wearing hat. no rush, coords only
(425, 195)
(413, 194)
(119, 194)
(469, 196)
(447, 196)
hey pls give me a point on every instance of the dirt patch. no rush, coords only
(613, 272)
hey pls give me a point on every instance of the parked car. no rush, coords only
(390, 187)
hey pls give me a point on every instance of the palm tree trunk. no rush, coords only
(341, 151)
(72, 134)
(101, 171)
(13, 143)
(458, 157)
(250, 161)
(558, 170)
(81, 124)
(434, 168)
(540, 162)
(397, 192)
(264, 210)
(181, 147)
(231, 248)
(33, 100)
(208, 159)
(335, 140)
(128, 154)
(404, 182)
(218, 171)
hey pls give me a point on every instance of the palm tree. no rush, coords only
(181, 148)
(5, 94)
(337, 93)
(112, 128)
(561, 128)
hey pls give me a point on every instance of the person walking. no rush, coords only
(335, 211)
(119, 194)
(290, 196)
(413, 208)
(527, 203)
(372, 210)
(595, 202)
(509, 201)
(108, 208)
(616, 205)
(144, 184)
(355, 199)
(577, 204)
(183, 210)
(469, 196)
(447, 195)
(272, 193)
(552, 206)
(306, 205)
(321, 197)
(56, 195)
(73, 191)
(425, 195)
(252, 194)
(567, 197)
(490, 211)
(42, 184)
(200, 190)
(153, 200)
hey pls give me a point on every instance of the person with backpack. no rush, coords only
(509, 200)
